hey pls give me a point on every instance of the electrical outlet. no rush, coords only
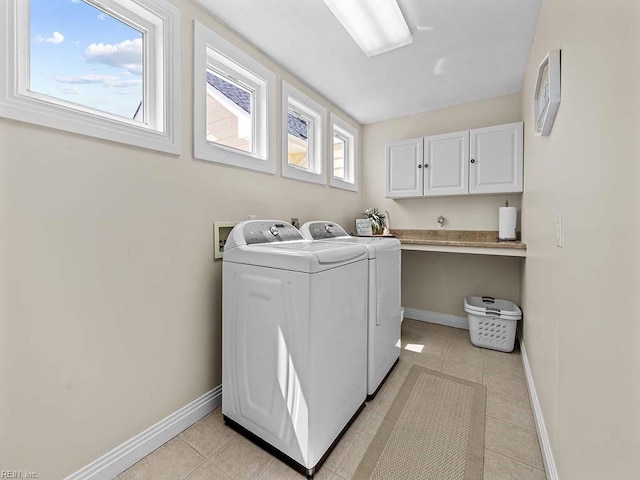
(559, 230)
(253, 217)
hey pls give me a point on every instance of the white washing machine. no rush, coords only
(384, 297)
(294, 347)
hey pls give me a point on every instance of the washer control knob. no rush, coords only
(274, 231)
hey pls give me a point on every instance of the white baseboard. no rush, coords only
(435, 317)
(545, 444)
(123, 456)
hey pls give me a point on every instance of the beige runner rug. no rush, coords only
(434, 430)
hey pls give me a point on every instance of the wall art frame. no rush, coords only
(546, 99)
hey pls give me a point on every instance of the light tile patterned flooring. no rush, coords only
(209, 450)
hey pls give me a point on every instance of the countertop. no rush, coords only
(462, 241)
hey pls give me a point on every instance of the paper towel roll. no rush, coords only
(507, 219)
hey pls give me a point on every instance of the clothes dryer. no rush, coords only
(384, 319)
(293, 339)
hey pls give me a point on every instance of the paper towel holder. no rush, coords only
(507, 232)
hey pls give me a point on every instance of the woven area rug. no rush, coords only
(434, 430)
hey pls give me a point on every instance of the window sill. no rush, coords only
(337, 183)
(302, 175)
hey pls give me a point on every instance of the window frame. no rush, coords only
(344, 129)
(211, 49)
(292, 98)
(159, 20)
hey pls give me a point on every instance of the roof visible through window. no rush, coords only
(236, 94)
(297, 126)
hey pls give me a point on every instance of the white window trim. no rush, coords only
(292, 97)
(264, 158)
(17, 103)
(352, 157)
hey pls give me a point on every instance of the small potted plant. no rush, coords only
(376, 218)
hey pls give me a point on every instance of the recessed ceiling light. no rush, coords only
(377, 26)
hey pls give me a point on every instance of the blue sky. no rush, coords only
(85, 56)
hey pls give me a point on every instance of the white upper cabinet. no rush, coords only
(480, 161)
(496, 159)
(404, 168)
(446, 165)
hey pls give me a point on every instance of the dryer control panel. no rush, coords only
(324, 230)
(269, 231)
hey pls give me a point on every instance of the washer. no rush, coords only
(384, 318)
(294, 347)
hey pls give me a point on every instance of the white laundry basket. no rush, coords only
(492, 322)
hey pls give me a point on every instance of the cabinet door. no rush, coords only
(404, 168)
(446, 164)
(496, 159)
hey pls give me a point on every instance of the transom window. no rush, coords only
(234, 103)
(302, 136)
(344, 155)
(96, 63)
(104, 68)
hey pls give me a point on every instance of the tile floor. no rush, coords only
(209, 450)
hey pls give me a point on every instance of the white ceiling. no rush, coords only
(462, 51)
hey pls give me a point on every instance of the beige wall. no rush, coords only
(581, 327)
(110, 307)
(439, 282)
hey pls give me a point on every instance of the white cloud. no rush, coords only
(83, 79)
(126, 83)
(127, 54)
(72, 91)
(121, 86)
(101, 16)
(56, 38)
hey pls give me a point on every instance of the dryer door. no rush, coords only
(388, 286)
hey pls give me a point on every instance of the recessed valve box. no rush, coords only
(221, 231)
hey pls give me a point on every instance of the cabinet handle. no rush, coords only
(473, 160)
(419, 166)
(426, 165)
